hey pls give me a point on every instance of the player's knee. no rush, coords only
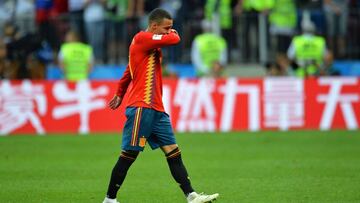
(168, 148)
(129, 155)
(173, 153)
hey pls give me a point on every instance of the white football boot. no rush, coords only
(108, 200)
(201, 198)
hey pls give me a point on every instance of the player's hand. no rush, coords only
(174, 31)
(115, 102)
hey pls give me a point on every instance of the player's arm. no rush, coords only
(121, 90)
(151, 41)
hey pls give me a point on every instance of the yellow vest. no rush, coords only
(258, 5)
(284, 14)
(210, 46)
(309, 54)
(76, 57)
(224, 9)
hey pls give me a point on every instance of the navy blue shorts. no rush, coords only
(145, 125)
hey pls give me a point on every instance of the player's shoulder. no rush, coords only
(143, 36)
(138, 38)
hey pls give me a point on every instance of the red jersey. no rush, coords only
(144, 70)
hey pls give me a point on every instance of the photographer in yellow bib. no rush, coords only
(307, 51)
(209, 52)
(75, 58)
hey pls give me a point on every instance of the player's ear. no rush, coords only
(153, 25)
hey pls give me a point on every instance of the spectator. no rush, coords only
(282, 23)
(46, 28)
(307, 51)
(140, 9)
(284, 64)
(336, 13)
(7, 8)
(272, 69)
(116, 30)
(219, 12)
(59, 19)
(20, 49)
(217, 70)
(209, 52)
(176, 10)
(6, 70)
(137, 16)
(76, 12)
(60, 7)
(252, 10)
(94, 17)
(25, 16)
(281, 67)
(329, 68)
(75, 58)
(352, 36)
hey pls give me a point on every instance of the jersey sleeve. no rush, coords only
(151, 41)
(124, 82)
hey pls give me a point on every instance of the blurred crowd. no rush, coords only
(34, 33)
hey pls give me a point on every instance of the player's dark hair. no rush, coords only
(158, 14)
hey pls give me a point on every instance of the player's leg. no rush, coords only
(139, 122)
(163, 137)
(179, 172)
(177, 167)
(118, 174)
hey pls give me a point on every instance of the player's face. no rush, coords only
(164, 27)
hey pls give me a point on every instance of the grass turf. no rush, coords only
(302, 166)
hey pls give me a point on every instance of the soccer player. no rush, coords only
(147, 121)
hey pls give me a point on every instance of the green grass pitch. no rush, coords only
(301, 166)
